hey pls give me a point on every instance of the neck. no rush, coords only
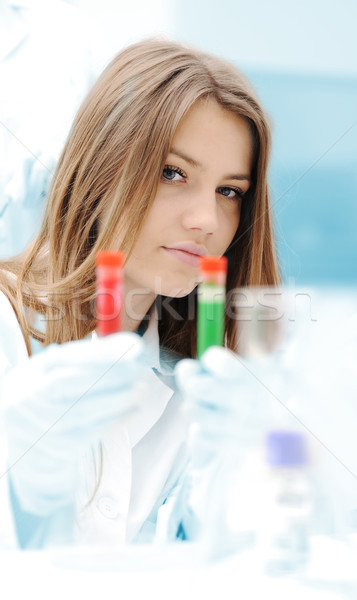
(137, 304)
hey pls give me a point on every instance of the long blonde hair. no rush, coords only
(111, 165)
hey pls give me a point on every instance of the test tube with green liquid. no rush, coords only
(211, 302)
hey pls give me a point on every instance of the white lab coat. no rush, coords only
(143, 461)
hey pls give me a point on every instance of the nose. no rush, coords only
(200, 212)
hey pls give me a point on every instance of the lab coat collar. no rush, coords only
(156, 391)
(151, 339)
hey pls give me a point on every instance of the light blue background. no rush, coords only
(313, 174)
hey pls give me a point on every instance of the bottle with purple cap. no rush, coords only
(286, 518)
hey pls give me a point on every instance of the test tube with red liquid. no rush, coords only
(109, 291)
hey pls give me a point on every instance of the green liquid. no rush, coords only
(210, 317)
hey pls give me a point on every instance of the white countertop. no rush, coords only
(170, 572)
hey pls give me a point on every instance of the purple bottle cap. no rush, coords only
(286, 448)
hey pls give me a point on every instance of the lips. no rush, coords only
(187, 252)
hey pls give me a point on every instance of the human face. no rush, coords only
(197, 207)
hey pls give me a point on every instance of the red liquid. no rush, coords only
(109, 305)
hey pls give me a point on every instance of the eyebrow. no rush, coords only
(194, 163)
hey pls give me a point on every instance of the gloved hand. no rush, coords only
(226, 394)
(56, 404)
(229, 407)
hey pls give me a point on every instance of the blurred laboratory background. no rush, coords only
(301, 56)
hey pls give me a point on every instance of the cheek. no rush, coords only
(231, 223)
(148, 236)
(157, 221)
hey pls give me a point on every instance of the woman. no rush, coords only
(166, 160)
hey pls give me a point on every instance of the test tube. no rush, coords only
(109, 291)
(211, 302)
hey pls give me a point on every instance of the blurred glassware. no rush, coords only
(286, 504)
(261, 318)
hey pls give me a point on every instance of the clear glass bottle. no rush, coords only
(286, 507)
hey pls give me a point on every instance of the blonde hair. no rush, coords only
(110, 168)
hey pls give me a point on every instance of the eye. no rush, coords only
(172, 174)
(231, 193)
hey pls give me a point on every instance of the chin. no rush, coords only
(174, 287)
(177, 292)
(173, 284)
(182, 294)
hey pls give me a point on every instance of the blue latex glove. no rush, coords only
(56, 404)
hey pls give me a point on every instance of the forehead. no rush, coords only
(209, 132)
